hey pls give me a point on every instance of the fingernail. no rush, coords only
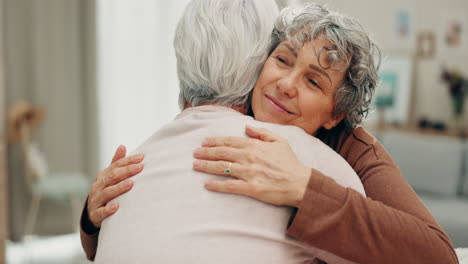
(114, 206)
(197, 151)
(206, 141)
(209, 183)
(137, 167)
(129, 184)
(196, 164)
(138, 157)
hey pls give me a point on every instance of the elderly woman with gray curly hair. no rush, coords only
(320, 75)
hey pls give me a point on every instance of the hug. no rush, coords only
(267, 161)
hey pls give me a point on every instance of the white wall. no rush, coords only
(137, 78)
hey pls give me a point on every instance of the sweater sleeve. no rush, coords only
(391, 225)
(88, 233)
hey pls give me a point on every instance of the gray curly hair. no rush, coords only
(352, 46)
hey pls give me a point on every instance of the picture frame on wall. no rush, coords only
(404, 36)
(426, 45)
(392, 95)
(453, 35)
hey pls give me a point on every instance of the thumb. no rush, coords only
(261, 134)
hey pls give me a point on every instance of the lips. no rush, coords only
(278, 105)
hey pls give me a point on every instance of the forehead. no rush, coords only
(299, 38)
(320, 49)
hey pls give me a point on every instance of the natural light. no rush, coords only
(137, 78)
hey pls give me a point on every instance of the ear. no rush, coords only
(333, 122)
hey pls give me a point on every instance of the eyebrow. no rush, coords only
(313, 67)
(291, 49)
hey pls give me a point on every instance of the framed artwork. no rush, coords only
(394, 91)
(404, 37)
(453, 37)
(426, 45)
(387, 90)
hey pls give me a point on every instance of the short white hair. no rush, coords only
(221, 46)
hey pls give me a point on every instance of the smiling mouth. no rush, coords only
(278, 105)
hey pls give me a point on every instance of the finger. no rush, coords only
(219, 153)
(234, 142)
(261, 134)
(102, 213)
(111, 192)
(221, 168)
(229, 186)
(119, 153)
(103, 180)
(137, 158)
(117, 175)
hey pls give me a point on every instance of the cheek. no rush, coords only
(255, 103)
(257, 94)
(315, 112)
(268, 73)
(258, 108)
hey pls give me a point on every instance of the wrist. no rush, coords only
(86, 224)
(301, 186)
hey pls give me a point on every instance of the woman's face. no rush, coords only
(293, 89)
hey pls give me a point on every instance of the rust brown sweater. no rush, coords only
(391, 225)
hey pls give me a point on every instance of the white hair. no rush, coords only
(221, 46)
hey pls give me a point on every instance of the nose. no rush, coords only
(287, 85)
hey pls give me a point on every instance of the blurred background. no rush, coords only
(89, 75)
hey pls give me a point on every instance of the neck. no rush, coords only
(239, 109)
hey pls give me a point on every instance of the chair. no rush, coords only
(70, 187)
(67, 186)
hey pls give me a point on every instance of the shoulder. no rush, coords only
(360, 139)
(359, 147)
(360, 134)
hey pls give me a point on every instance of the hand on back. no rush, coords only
(110, 183)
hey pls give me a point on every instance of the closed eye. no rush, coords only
(314, 83)
(281, 59)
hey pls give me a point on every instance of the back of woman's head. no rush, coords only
(354, 52)
(220, 47)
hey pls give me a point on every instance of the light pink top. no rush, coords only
(169, 217)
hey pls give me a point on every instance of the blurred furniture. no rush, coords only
(70, 187)
(435, 166)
